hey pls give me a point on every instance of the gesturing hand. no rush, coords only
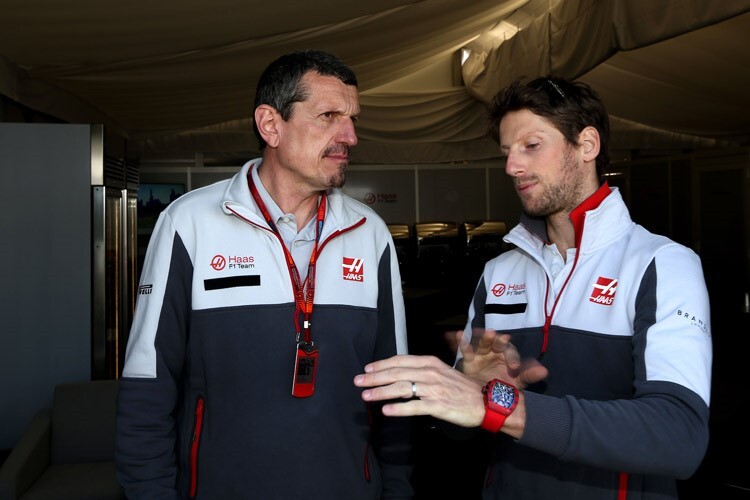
(489, 355)
(440, 390)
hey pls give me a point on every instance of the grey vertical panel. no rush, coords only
(391, 193)
(45, 264)
(98, 282)
(504, 203)
(453, 195)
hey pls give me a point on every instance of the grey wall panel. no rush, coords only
(504, 203)
(454, 195)
(45, 263)
(391, 193)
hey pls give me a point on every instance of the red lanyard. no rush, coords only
(548, 315)
(303, 295)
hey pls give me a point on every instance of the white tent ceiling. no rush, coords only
(177, 77)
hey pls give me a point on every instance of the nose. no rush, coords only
(513, 166)
(347, 134)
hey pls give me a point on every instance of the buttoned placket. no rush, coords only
(300, 244)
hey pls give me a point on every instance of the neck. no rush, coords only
(561, 232)
(291, 197)
(561, 227)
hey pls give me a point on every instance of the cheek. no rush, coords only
(309, 137)
(291, 151)
(297, 142)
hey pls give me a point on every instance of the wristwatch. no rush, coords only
(500, 399)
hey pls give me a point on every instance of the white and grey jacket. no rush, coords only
(205, 407)
(628, 346)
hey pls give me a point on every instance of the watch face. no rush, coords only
(502, 395)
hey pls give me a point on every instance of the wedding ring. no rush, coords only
(414, 389)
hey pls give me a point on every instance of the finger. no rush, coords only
(406, 409)
(532, 371)
(467, 350)
(396, 390)
(453, 339)
(485, 342)
(473, 343)
(511, 355)
(460, 337)
(415, 407)
(402, 360)
(393, 375)
(501, 341)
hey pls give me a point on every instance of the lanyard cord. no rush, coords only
(578, 217)
(548, 313)
(303, 295)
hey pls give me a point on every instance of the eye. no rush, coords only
(328, 114)
(355, 119)
(533, 145)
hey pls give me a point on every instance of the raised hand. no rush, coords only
(489, 355)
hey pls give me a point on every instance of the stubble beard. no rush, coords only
(338, 179)
(563, 196)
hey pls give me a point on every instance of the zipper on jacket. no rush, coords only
(622, 491)
(367, 447)
(199, 408)
(367, 463)
(578, 217)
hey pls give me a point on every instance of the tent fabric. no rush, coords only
(574, 37)
(178, 77)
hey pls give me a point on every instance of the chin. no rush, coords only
(337, 181)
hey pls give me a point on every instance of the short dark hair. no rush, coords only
(279, 85)
(569, 106)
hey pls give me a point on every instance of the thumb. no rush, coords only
(532, 371)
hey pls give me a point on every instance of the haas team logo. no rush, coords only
(604, 291)
(353, 269)
(218, 262)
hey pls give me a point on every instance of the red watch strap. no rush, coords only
(495, 413)
(493, 421)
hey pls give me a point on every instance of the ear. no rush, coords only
(267, 120)
(589, 140)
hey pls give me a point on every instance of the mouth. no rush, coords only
(339, 153)
(522, 187)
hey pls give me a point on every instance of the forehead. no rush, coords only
(328, 93)
(517, 124)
